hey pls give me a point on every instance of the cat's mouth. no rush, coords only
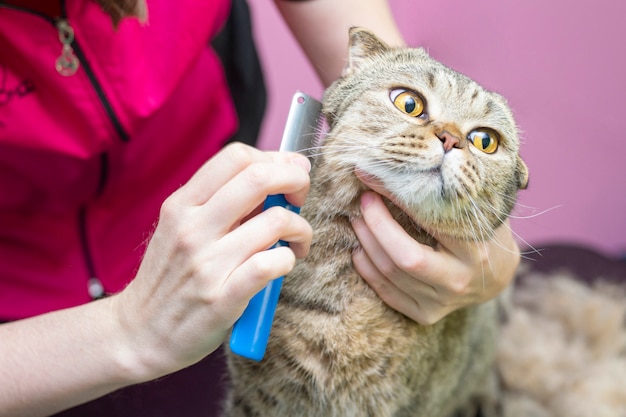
(430, 174)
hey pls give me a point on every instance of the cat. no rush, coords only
(447, 150)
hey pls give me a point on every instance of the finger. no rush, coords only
(372, 250)
(258, 235)
(377, 265)
(404, 252)
(254, 274)
(247, 190)
(466, 251)
(420, 308)
(383, 287)
(380, 263)
(502, 239)
(264, 230)
(224, 166)
(495, 260)
(380, 268)
(421, 260)
(439, 269)
(505, 252)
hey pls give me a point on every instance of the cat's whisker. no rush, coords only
(501, 216)
(532, 216)
(328, 151)
(519, 238)
(518, 205)
(526, 243)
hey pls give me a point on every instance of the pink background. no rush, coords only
(562, 66)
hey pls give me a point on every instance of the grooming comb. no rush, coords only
(251, 332)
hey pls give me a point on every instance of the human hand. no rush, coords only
(423, 283)
(208, 257)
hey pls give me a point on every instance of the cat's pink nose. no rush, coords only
(449, 140)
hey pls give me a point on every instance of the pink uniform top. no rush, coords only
(87, 159)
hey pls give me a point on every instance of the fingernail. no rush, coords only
(302, 162)
(366, 199)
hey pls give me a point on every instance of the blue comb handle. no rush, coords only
(251, 332)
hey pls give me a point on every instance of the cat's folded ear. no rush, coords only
(363, 44)
(522, 174)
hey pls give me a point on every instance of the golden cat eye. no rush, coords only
(484, 139)
(408, 102)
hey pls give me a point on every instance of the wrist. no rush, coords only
(131, 356)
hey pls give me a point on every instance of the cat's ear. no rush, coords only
(522, 174)
(363, 44)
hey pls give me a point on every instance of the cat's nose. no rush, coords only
(449, 140)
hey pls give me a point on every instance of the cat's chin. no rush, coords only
(423, 190)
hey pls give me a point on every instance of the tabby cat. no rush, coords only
(448, 152)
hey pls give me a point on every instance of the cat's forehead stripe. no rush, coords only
(489, 107)
(431, 79)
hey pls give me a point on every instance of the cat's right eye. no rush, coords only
(408, 102)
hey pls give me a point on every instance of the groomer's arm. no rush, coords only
(321, 27)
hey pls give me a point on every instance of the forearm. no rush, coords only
(52, 362)
(321, 27)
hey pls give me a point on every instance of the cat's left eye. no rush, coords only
(484, 139)
(408, 102)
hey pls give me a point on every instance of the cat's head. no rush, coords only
(446, 148)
